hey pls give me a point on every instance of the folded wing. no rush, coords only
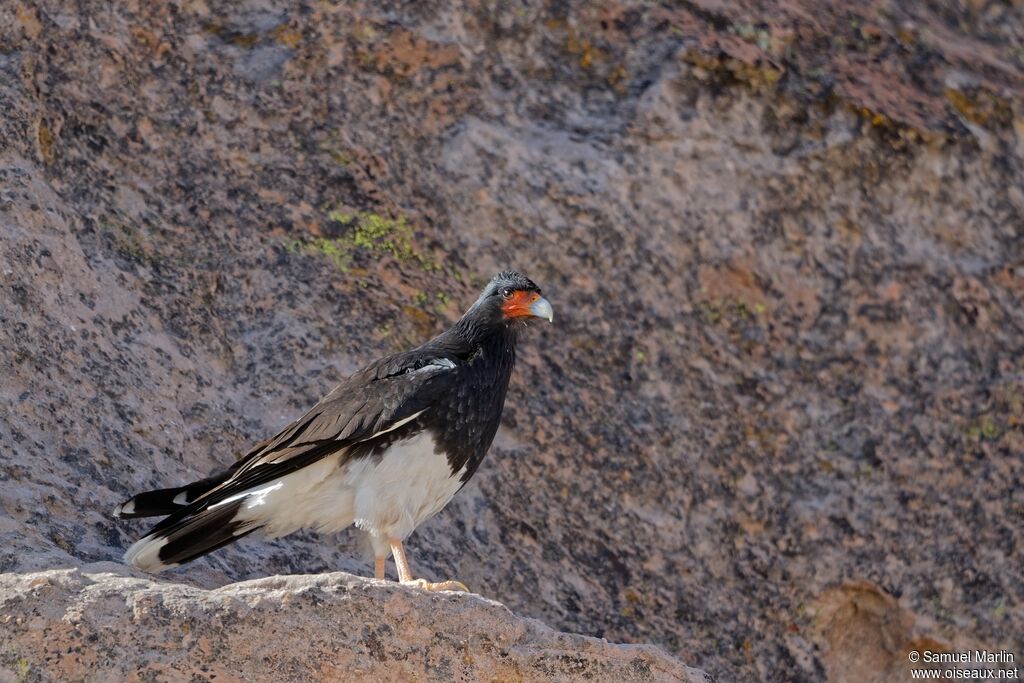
(368, 405)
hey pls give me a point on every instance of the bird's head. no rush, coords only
(509, 300)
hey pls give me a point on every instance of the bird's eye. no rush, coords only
(506, 293)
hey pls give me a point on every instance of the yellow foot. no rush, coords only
(437, 586)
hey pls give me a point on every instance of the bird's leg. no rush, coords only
(405, 576)
(378, 567)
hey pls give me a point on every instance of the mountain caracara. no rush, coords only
(385, 450)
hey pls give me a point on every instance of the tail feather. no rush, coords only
(153, 503)
(176, 541)
(162, 502)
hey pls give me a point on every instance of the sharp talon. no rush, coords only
(423, 584)
(450, 585)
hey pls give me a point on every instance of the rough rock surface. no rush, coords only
(782, 400)
(73, 625)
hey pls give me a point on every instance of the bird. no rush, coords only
(384, 450)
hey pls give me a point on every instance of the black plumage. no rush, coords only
(368, 430)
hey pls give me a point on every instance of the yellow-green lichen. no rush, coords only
(22, 669)
(364, 233)
(715, 311)
(332, 249)
(984, 428)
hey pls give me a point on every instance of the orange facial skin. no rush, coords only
(518, 305)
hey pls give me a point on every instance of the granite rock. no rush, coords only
(784, 242)
(99, 624)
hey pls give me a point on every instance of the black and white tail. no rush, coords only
(213, 512)
(191, 529)
(187, 534)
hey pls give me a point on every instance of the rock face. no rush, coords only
(75, 625)
(782, 400)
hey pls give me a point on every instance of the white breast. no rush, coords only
(399, 491)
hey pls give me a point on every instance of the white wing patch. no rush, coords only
(436, 364)
(258, 496)
(394, 426)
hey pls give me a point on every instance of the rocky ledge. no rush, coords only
(100, 623)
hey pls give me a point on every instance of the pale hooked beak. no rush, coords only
(541, 308)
